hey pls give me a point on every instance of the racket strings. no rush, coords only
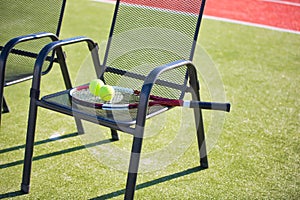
(121, 96)
(124, 97)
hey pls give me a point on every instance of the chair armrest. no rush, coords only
(153, 77)
(156, 72)
(56, 45)
(8, 48)
(150, 81)
(14, 41)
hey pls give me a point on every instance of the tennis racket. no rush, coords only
(126, 98)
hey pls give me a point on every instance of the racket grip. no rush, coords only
(210, 105)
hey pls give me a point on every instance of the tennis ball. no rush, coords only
(106, 92)
(95, 86)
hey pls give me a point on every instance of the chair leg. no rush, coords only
(133, 168)
(25, 186)
(5, 108)
(78, 122)
(114, 135)
(198, 118)
(201, 138)
(80, 129)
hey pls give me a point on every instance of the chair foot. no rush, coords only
(25, 188)
(5, 108)
(204, 166)
(79, 126)
(114, 135)
(80, 132)
(204, 163)
(114, 138)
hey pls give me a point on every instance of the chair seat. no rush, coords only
(150, 48)
(62, 102)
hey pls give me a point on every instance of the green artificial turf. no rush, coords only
(256, 156)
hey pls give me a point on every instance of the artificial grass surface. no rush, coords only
(255, 157)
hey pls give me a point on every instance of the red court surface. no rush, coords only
(281, 15)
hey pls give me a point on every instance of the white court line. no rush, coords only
(251, 24)
(231, 20)
(105, 1)
(283, 2)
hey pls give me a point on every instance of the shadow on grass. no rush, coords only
(38, 143)
(151, 183)
(11, 194)
(19, 162)
(106, 196)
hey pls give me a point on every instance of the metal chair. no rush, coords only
(150, 47)
(26, 26)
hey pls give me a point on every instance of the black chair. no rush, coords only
(26, 27)
(150, 47)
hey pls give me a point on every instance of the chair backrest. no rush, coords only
(25, 17)
(150, 33)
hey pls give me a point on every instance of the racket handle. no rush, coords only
(207, 105)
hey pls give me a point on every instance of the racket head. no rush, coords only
(123, 98)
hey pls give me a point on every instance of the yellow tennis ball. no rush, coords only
(95, 86)
(106, 92)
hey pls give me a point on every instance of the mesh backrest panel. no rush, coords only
(150, 33)
(26, 17)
